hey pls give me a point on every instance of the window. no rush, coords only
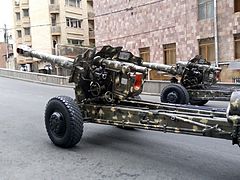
(52, 1)
(18, 17)
(19, 33)
(73, 3)
(75, 41)
(54, 19)
(169, 53)
(236, 5)
(237, 46)
(25, 12)
(74, 23)
(205, 9)
(27, 31)
(145, 54)
(207, 49)
(16, 2)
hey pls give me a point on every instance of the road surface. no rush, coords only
(104, 152)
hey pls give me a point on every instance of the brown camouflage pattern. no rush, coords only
(214, 95)
(161, 117)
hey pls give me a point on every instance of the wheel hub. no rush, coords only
(172, 97)
(57, 124)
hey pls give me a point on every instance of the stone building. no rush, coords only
(44, 24)
(3, 54)
(166, 31)
(6, 56)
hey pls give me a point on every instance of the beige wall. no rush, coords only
(3, 52)
(40, 25)
(139, 23)
(39, 21)
(164, 22)
(78, 13)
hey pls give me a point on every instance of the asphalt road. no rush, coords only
(104, 152)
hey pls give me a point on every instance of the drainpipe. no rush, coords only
(216, 33)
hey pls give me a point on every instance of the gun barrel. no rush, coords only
(120, 66)
(161, 67)
(60, 60)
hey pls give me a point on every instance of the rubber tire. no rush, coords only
(72, 118)
(198, 102)
(178, 90)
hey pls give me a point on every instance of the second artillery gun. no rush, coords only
(106, 84)
(197, 84)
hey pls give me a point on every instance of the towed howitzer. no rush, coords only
(100, 76)
(106, 83)
(197, 76)
(197, 83)
(195, 73)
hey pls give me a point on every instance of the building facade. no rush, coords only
(7, 59)
(166, 31)
(43, 25)
(3, 55)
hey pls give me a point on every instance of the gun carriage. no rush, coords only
(106, 86)
(192, 81)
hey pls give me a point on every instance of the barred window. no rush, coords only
(207, 49)
(27, 31)
(237, 46)
(74, 23)
(25, 12)
(73, 3)
(75, 41)
(236, 5)
(52, 1)
(169, 53)
(144, 53)
(19, 33)
(18, 17)
(205, 9)
(54, 19)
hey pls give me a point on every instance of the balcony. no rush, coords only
(17, 7)
(22, 60)
(18, 24)
(53, 51)
(19, 41)
(54, 8)
(56, 30)
(17, 3)
(74, 10)
(24, 2)
(27, 39)
(91, 15)
(26, 21)
(91, 35)
(28, 60)
(75, 31)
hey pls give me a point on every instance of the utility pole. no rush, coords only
(5, 34)
(6, 40)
